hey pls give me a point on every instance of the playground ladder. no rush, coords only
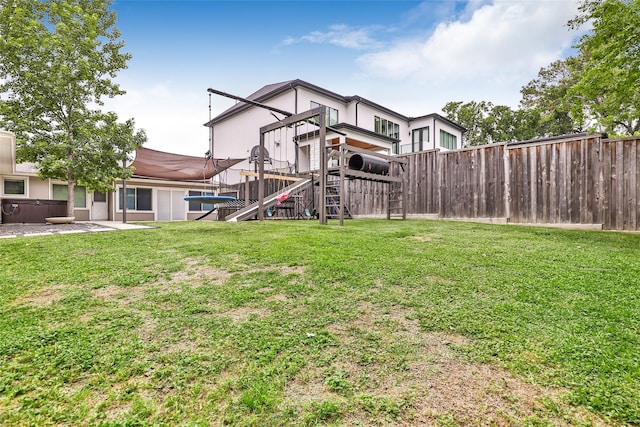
(396, 207)
(333, 195)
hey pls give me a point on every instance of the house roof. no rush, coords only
(364, 131)
(269, 91)
(262, 94)
(158, 164)
(441, 118)
(26, 168)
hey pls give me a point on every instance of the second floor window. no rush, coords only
(448, 140)
(331, 114)
(386, 127)
(419, 138)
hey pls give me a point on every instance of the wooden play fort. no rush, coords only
(339, 160)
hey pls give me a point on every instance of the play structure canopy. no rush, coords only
(158, 164)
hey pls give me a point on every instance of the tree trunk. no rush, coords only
(70, 197)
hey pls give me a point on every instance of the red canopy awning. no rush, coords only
(158, 164)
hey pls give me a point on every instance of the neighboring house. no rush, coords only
(155, 192)
(235, 132)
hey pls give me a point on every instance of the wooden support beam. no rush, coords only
(322, 142)
(261, 179)
(341, 188)
(272, 176)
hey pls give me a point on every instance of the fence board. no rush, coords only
(634, 202)
(619, 183)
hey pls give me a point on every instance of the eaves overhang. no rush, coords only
(440, 118)
(349, 130)
(356, 98)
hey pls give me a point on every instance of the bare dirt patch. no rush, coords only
(198, 274)
(122, 295)
(425, 237)
(296, 269)
(435, 384)
(42, 297)
(285, 270)
(147, 331)
(194, 274)
(277, 297)
(242, 314)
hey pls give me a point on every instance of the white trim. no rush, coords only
(16, 178)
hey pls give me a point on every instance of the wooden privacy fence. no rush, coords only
(586, 181)
(578, 180)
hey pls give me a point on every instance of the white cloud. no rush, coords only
(340, 35)
(172, 117)
(505, 41)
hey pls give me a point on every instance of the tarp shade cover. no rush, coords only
(158, 164)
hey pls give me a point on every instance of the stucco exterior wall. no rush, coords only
(136, 216)
(7, 152)
(173, 209)
(38, 189)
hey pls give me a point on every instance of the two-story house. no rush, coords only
(235, 132)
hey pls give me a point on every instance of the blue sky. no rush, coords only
(411, 56)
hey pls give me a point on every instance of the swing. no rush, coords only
(205, 198)
(284, 194)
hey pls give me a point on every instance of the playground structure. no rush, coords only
(338, 160)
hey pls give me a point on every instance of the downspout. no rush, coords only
(357, 103)
(434, 133)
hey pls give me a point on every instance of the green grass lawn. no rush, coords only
(292, 323)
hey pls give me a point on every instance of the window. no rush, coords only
(79, 194)
(419, 137)
(386, 127)
(448, 141)
(99, 197)
(199, 206)
(14, 187)
(138, 199)
(331, 114)
(396, 148)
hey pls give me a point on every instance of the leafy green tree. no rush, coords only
(487, 123)
(608, 82)
(548, 94)
(57, 62)
(470, 115)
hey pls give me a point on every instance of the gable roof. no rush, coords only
(437, 116)
(260, 95)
